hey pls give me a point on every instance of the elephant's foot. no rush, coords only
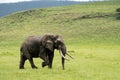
(21, 67)
(44, 64)
(50, 66)
(34, 67)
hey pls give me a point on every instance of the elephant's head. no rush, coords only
(60, 45)
(52, 42)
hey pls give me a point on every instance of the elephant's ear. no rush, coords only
(48, 44)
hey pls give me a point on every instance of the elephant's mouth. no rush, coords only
(62, 55)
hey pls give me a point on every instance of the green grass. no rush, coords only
(93, 42)
(89, 64)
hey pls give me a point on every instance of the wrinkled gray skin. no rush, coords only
(41, 47)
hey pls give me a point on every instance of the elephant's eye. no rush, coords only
(55, 45)
(60, 43)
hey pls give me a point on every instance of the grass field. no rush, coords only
(93, 41)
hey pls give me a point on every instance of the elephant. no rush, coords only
(42, 47)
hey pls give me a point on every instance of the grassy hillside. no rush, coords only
(91, 33)
(66, 22)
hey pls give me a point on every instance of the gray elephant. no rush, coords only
(42, 47)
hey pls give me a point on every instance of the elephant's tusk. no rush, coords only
(69, 55)
(63, 55)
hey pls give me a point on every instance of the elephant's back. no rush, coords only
(31, 44)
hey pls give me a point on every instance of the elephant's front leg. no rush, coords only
(51, 56)
(46, 62)
(44, 57)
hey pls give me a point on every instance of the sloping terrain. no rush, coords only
(71, 22)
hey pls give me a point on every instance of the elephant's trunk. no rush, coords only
(63, 58)
(62, 51)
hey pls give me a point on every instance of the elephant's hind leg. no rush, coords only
(22, 61)
(32, 63)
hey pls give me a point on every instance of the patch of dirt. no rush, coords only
(96, 15)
